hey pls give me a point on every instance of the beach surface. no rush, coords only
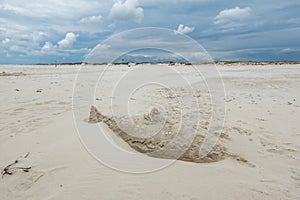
(259, 156)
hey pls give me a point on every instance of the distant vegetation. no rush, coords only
(254, 62)
(67, 63)
(184, 63)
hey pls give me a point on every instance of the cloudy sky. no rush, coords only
(52, 31)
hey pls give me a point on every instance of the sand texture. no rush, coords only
(257, 155)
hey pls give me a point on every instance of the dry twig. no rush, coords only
(9, 169)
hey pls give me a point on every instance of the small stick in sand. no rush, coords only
(9, 168)
(26, 155)
(25, 169)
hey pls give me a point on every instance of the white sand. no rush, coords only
(262, 125)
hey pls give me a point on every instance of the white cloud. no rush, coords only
(48, 46)
(17, 48)
(6, 8)
(36, 37)
(288, 50)
(52, 49)
(68, 41)
(5, 41)
(129, 10)
(103, 46)
(91, 19)
(184, 29)
(232, 15)
(54, 8)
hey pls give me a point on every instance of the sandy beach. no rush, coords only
(258, 156)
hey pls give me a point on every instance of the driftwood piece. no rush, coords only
(11, 168)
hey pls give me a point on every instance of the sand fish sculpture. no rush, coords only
(161, 145)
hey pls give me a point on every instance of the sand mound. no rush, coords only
(12, 74)
(155, 146)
